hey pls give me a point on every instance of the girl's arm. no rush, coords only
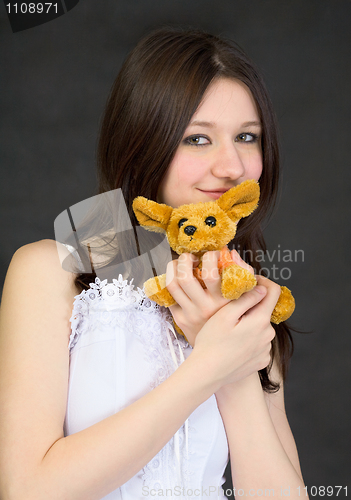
(276, 408)
(262, 448)
(36, 461)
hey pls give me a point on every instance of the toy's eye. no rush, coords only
(210, 221)
(181, 222)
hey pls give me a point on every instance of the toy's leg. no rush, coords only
(155, 289)
(284, 307)
(236, 281)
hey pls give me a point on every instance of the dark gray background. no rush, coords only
(55, 80)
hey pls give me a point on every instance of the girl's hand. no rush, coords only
(195, 306)
(236, 340)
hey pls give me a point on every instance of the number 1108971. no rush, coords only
(31, 8)
(321, 491)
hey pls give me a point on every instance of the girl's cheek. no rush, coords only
(253, 166)
(256, 171)
(189, 169)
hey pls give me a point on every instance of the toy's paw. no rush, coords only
(284, 307)
(235, 281)
(155, 289)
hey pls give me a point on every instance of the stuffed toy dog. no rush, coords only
(201, 227)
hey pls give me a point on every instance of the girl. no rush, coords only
(126, 412)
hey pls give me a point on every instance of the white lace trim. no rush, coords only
(103, 297)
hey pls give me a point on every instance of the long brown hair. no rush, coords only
(158, 89)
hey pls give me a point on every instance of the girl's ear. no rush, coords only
(240, 201)
(152, 215)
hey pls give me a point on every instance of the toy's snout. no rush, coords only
(189, 230)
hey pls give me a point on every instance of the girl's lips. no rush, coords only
(214, 194)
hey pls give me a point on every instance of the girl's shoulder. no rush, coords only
(38, 268)
(36, 304)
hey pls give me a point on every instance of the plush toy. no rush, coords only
(202, 227)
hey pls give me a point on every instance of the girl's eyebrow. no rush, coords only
(212, 124)
(252, 124)
(202, 124)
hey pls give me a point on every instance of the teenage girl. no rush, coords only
(100, 407)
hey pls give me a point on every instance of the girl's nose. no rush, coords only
(228, 163)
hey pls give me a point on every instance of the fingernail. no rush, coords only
(261, 289)
(236, 256)
(241, 259)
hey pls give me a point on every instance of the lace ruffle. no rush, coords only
(103, 298)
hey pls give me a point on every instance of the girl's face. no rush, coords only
(221, 147)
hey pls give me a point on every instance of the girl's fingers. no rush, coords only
(238, 260)
(210, 273)
(181, 282)
(172, 284)
(248, 300)
(273, 292)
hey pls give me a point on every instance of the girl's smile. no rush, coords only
(221, 147)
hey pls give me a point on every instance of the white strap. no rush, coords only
(186, 424)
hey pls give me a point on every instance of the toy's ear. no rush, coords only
(240, 201)
(151, 215)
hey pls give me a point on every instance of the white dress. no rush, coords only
(123, 345)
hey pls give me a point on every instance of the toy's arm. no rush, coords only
(155, 289)
(284, 307)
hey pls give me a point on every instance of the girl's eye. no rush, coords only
(197, 140)
(246, 137)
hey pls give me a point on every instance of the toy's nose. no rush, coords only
(189, 230)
